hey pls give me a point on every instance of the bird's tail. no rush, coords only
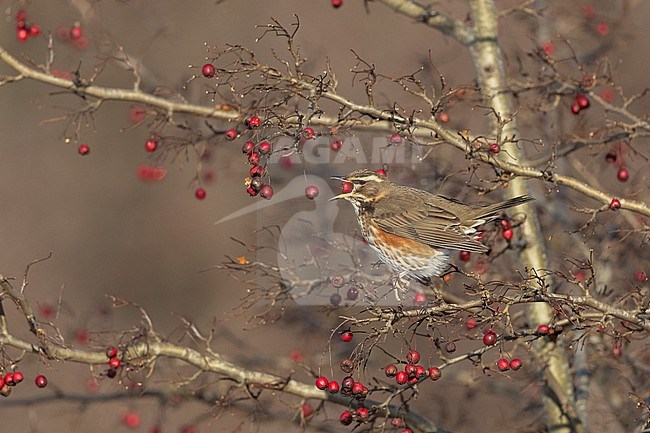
(492, 211)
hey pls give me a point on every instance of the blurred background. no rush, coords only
(154, 244)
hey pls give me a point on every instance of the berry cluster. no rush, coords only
(25, 29)
(618, 160)
(507, 232)
(514, 364)
(113, 361)
(11, 379)
(73, 35)
(338, 281)
(412, 372)
(581, 103)
(255, 153)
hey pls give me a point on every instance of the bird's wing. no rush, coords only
(425, 222)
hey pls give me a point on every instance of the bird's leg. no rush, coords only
(401, 284)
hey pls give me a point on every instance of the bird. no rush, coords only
(412, 230)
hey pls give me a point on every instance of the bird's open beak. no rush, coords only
(342, 195)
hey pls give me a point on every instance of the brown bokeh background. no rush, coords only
(154, 243)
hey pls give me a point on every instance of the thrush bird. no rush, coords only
(412, 230)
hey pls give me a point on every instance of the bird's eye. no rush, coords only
(361, 182)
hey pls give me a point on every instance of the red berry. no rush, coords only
(257, 171)
(308, 133)
(336, 145)
(76, 32)
(615, 204)
(464, 256)
(347, 383)
(248, 148)
(265, 147)
(507, 234)
(208, 70)
(254, 158)
(18, 377)
(395, 138)
(413, 356)
(81, 43)
(623, 175)
(22, 34)
(231, 134)
(362, 413)
(542, 330)
(254, 122)
(83, 150)
(611, 156)
(489, 338)
(111, 373)
(151, 145)
(420, 298)
(607, 94)
(602, 28)
(357, 388)
(548, 48)
(2, 382)
(335, 299)
(575, 108)
(641, 276)
(401, 377)
(435, 373)
(381, 172)
(443, 117)
(34, 30)
(505, 224)
(582, 100)
(390, 370)
(333, 387)
(411, 370)
(396, 422)
(494, 148)
(588, 10)
(21, 15)
(346, 187)
(252, 191)
(41, 381)
(307, 410)
(420, 371)
(114, 362)
(346, 336)
(353, 293)
(406, 430)
(111, 352)
(337, 3)
(9, 379)
(515, 364)
(503, 364)
(617, 350)
(346, 418)
(311, 192)
(470, 323)
(200, 194)
(322, 382)
(131, 419)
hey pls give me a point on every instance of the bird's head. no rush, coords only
(362, 187)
